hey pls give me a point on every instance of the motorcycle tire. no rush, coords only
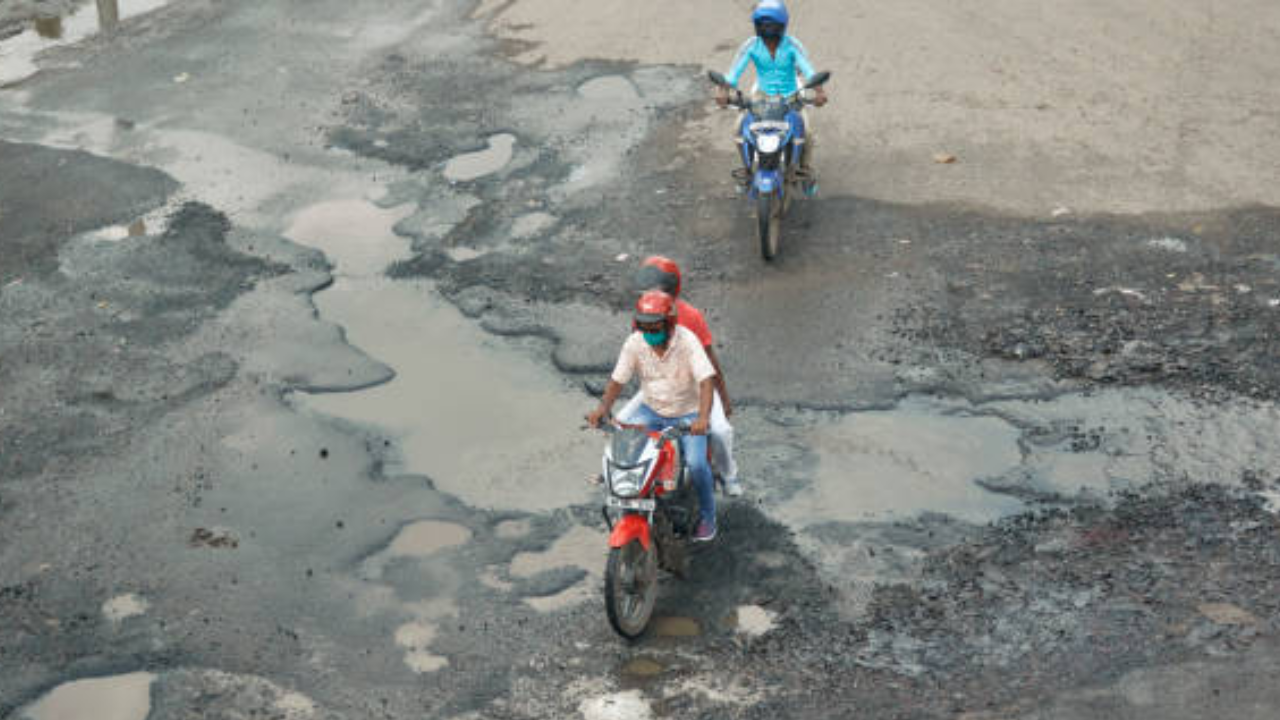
(769, 224)
(631, 588)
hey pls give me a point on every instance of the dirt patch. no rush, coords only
(1192, 302)
(95, 192)
(89, 363)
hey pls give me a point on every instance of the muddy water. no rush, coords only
(971, 462)
(580, 547)
(881, 465)
(18, 53)
(118, 697)
(486, 422)
(475, 165)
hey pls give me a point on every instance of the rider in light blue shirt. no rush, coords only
(777, 58)
(775, 69)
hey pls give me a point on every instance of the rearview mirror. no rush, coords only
(717, 78)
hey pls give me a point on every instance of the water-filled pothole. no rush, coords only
(475, 165)
(18, 53)
(485, 421)
(117, 697)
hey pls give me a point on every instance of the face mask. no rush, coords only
(655, 338)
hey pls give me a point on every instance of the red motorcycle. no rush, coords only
(651, 508)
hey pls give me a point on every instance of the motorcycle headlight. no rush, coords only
(769, 143)
(628, 482)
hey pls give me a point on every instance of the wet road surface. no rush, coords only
(302, 303)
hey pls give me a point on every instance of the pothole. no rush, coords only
(675, 627)
(415, 637)
(122, 607)
(425, 537)
(475, 165)
(642, 667)
(510, 451)
(898, 463)
(580, 547)
(118, 697)
(420, 539)
(629, 705)
(18, 53)
(753, 620)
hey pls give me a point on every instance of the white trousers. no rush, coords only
(721, 434)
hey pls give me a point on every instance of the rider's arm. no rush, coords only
(740, 63)
(621, 375)
(706, 391)
(611, 392)
(719, 380)
(802, 60)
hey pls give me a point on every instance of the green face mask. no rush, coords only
(655, 338)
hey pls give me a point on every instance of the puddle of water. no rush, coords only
(642, 667)
(118, 697)
(122, 607)
(753, 620)
(671, 626)
(898, 463)
(416, 540)
(18, 53)
(486, 422)
(608, 87)
(475, 165)
(580, 547)
(491, 578)
(513, 529)
(355, 235)
(629, 705)
(461, 253)
(422, 538)
(415, 637)
(530, 224)
(1130, 437)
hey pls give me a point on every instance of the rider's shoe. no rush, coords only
(733, 488)
(742, 177)
(705, 532)
(808, 180)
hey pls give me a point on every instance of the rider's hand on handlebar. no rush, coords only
(699, 426)
(593, 417)
(722, 96)
(819, 96)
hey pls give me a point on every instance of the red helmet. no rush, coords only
(654, 306)
(661, 273)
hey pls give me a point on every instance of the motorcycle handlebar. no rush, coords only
(611, 425)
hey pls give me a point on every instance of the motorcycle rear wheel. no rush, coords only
(631, 588)
(768, 224)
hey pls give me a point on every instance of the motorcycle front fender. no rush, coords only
(766, 181)
(628, 528)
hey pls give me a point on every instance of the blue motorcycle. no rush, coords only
(772, 132)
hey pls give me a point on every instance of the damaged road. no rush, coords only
(301, 304)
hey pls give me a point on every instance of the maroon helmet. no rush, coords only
(661, 273)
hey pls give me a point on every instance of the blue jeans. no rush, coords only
(694, 450)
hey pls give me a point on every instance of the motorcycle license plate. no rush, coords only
(643, 504)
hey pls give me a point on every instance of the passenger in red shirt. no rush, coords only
(661, 273)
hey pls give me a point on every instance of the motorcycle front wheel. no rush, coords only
(768, 224)
(631, 588)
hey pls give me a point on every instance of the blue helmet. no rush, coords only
(770, 11)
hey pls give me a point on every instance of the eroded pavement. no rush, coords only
(302, 304)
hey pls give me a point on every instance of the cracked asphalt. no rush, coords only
(301, 303)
